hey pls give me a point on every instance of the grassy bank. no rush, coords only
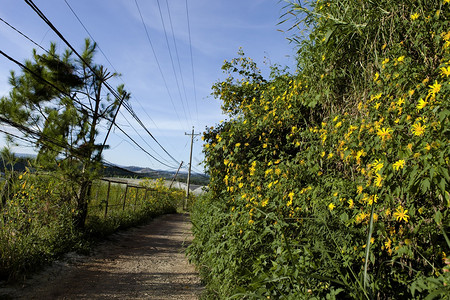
(37, 218)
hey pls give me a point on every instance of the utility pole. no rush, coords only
(173, 179)
(190, 163)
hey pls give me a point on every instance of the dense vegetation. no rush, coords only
(38, 214)
(333, 182)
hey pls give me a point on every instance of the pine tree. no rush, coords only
(59, 101)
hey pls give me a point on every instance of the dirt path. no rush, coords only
(146, 262)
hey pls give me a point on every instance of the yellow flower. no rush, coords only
(265, 202)
(445, 71)
(414, 16)
(331, 206)
(385, 61)
(359, 189)
(378, 180)
(422, 103)
(377, 165)
(401, 58)
(371, 199)
(377, 75)
(238, 144)
(351, 204)
(398, 164)
(400, 214)
(434, 89)
(418, 129)
(250, 222)
(384, 133)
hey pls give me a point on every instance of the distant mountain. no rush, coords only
(141, 172)
(23, 161)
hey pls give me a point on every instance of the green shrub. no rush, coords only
(333, 182)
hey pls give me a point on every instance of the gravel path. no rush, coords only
(145, 262)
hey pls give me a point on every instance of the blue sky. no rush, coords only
(218, 29)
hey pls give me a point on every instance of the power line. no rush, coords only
(87, 31)
(192, 59)
(110, 89)
(90, 35)
(40, 135)
(143, 138)
(178, 58)
(22, 34)
(140, 147)
(157, 61)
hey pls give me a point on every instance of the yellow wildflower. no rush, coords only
(385, 61)
(445, 71)
(434, 89)
(377, 165)
(384, 133)
(265, 202)
(351, 204)
(422, 103)
(398, 164)
(401, 58)
(400, 214)
(418, 129)
(359, 189)
(414, 16)
(331, 206)
(378, 180)
(387, 212)
(377, 75)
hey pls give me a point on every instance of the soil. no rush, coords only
(146, 262)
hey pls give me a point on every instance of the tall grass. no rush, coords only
(37, 218)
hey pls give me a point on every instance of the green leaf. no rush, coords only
(438, 218)
(425, 185)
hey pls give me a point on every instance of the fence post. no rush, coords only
(145, 194)
(125, 197)
(107, 198)
(135, 200)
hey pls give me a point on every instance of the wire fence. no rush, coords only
(113, 195)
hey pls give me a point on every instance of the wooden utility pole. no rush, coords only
(190, 163)
(173, 179)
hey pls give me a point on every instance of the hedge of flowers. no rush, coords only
(333, 182)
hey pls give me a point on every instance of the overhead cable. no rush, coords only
(110, 89)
